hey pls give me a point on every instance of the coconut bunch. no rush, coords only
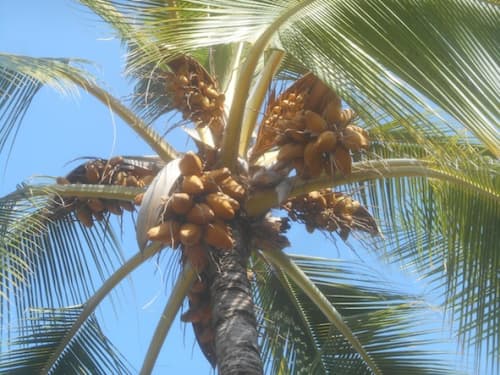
(198, 214)
(332, 212)
(311, 132)
(197, 218)
(115, 171)
(195, 94)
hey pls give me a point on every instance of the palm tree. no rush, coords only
(272, 91)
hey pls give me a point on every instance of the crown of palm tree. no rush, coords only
(393, 104)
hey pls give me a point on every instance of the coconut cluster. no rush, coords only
(314, 143)
(195, 93)
(198, 214)
(197, 218)
(311, 132)
(332, 212)
(115, 171)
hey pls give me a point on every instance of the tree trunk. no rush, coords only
(236, 347)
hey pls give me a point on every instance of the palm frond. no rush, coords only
(384, 319)
(179, 292)
(46, 260)
(20, 79)
(446, 232)
(431, 50)
(89, 351)
(440, 224)
(188, 26)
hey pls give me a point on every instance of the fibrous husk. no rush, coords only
(113, 206)
(232, 188)
(326, 142)
(355, 138)
(126, 205)
(195, 94)
(313, 161)
(191, 164)
(84, 215)
(138, 199)
(190, 234)
(218, 235)
(123, 171)
(293, 135)
(342, 160)
(288, 126)
(96, 205)
(290, 151)
(217, 175)
(192, 185)
(315, 123)
(222, 205)
(201, 213)
(288, 109)
(197, 256)
(167, 233)
(92, 173)
(198, 314)
(332, 111)
(180, 203)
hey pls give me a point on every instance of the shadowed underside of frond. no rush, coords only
(300, 341)
(88, 352)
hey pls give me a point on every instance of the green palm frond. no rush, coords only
(149, 96)
(301, 341)
(22, 76)
(20, 79)
(389, 72)
(88, 352)
(49, 260)
(441, 226)
(195, 25)
(448, 233)
(389, 51)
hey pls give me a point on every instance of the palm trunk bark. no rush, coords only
(236, 347)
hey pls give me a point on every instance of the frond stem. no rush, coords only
(77, 190)
(164, 150)
(96, 299)
(257, 98)
(264, 200)
(230, 145)
(173, 305)
(284, 263)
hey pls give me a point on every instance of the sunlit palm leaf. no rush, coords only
(88, 352)
(49, 262)
(385, 50)
(20, 79)
(150, 96)
(301, 341)
(326, 39)
(447, 232)
(184, 27)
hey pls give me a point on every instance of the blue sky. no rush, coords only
(58, 129)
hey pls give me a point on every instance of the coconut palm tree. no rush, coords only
(375, 119)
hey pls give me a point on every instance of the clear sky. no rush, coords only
(59, 129)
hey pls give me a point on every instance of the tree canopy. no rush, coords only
(422, 79)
